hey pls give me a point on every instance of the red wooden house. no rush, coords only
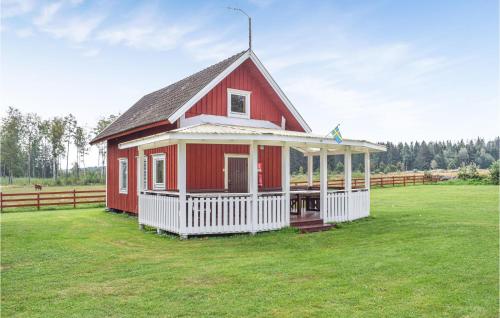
(210, 154)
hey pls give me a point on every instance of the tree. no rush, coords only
(69, 132)
(81, 140)
(31, 125)
(56, 135)
(11, 147)
(463, 156)
(100, 126)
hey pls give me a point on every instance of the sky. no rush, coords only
(383, 70)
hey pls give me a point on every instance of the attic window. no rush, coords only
(238, 103)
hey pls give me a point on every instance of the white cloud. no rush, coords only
(47, 13)
(145, 36)
(24, 32)
(76, 29)
(13, 8)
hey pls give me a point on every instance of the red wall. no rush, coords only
(265, 104)
(205, 165)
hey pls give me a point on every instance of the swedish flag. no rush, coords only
(336, 134)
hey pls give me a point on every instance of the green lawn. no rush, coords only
(427, 251)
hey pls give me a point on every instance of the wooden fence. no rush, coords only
(376, 181)
(39, 199)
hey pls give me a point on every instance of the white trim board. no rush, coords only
(213, 119)
(249, 54)
(230, 155)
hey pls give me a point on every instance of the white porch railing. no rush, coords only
(160, 211)
(347, 206)
(218, 213)
(271, 212)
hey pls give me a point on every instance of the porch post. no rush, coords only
(367, 170)
(367, 180)
(348, 181)
(310, 170)
(140, 177)
(181, 185)
(254, 186)
(140, 186)
(347, 170)
(323, 181)
(285, 180)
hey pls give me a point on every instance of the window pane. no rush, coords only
(160, 166)
(237, 103)
(123, 168)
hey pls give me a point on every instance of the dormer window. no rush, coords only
(238, 103)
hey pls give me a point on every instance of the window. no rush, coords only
(123, 175)
(238, 103)
(159, 172)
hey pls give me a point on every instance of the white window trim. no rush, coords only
(159, 186)
(230, 155)
(122, 190)
(232, 91)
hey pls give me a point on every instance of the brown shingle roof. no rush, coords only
(159, 105)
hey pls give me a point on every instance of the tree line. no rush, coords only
(33, 147)
(416, 155)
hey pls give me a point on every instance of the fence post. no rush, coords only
(1, 202)
(38, 201)
(393, 183)
(381, 182)
(423, 179)
(413, 179)
(74, 198)
(404, 181)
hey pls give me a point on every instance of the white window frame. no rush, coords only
(232, 91)
(230, 155)
(120, 174)
(159, 186)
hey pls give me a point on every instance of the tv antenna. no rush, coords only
(249, 25)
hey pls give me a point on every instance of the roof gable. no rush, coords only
(171, 102)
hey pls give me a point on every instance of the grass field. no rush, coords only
(428, 251)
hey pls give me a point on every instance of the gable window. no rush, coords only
(123, 175)
(238, 103)
(159, 172)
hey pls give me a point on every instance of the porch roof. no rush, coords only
(308, 143)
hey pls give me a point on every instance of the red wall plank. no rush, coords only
(265, 103)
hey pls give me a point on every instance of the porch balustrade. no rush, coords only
(219, 213)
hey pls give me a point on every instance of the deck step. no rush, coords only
(306, 222)
(315, 228)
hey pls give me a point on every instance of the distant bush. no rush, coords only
(468, 172)
(494, 172)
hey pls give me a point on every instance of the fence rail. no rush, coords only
(52, 198)
(358, 183)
